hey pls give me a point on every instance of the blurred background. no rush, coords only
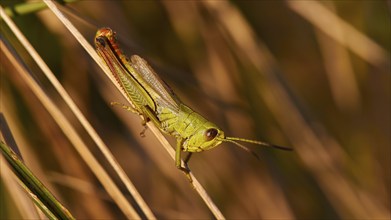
(311, 75)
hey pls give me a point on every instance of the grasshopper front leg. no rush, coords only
(134, 110)
(178, 164)
(126, 107)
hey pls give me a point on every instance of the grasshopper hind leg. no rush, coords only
(186, 168)
(186, 160)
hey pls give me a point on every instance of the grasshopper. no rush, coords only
(152, 98)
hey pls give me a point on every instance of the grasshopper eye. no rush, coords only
(211, 133)
(101, 41)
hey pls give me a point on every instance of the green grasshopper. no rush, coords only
(152, 98)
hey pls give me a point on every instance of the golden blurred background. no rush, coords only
(313, 75)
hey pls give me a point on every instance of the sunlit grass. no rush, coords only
(260, 70)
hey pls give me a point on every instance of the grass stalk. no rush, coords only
(310, 144)
(65, 125)
(196, 185)
(91, 131)
(322, 18)
(40, 195)
(29, 7)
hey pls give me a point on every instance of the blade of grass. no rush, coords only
(216, 63)
(322, 18)
(99, 142)
(41, 196)
(197, 186)
(75, 139)
(26, 206)
(29, 7)
(33, 188)
(340, 73)
(312, 146)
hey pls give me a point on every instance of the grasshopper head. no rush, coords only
(210, 136)
(206, 138)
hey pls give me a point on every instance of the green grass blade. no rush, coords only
(29, 7)
(41, 196)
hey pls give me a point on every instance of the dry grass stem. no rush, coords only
(197, 186)
(348, 36)
(340, 73)
(311, 148)
(64, 124)
(310, 75)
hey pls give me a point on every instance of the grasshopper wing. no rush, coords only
(155, 86)
(123, 74)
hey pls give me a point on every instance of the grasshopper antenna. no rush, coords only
(242, 147)
(234, 140)
(261, 143)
